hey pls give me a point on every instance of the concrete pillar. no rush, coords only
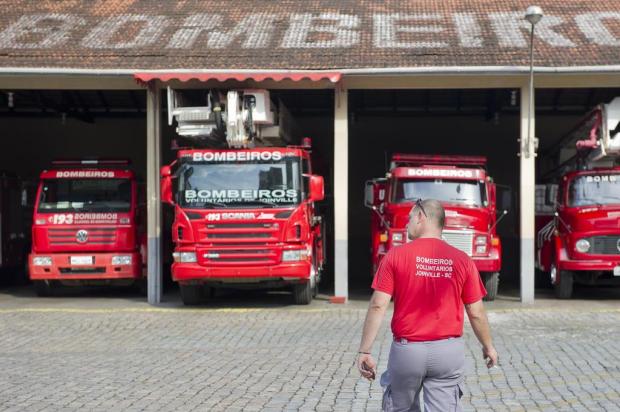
(527, 190)
(341, 194)
(153, 196)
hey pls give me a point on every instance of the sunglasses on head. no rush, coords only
(418, 203)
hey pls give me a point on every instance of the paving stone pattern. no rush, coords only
(284, 359)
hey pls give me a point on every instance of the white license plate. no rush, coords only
(81, 260)
(617, 271)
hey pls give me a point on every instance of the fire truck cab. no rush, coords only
(467, 194)
(578, 207)
(87, 228)
(244, 205)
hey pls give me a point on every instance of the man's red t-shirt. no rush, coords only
(430, 281)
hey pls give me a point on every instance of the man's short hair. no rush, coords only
(434, 212)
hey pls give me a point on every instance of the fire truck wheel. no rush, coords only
(191, 295)
(43, 288)
(491, 282)
(563, 287)
(302, 294)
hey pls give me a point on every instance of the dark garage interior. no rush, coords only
(42, 125)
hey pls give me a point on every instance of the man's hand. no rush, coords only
(490, 356)
(367, 366)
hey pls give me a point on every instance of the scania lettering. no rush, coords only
(87, 229)
(244, 199)
(468, 196)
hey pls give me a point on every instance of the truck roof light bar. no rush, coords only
(402, 159)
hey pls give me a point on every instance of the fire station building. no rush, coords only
(364, 79)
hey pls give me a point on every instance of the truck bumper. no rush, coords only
(491, 263)
(101, 268)
(589, 265)
(293, 272)
(487, 265)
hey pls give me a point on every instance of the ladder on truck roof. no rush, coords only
(413, 160)
(593, 142)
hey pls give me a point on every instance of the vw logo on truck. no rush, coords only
(81, 236)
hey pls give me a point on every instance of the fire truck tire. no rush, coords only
(191, 295)
(563, 287)
(491, 283)
(43, 289)
(302, 294)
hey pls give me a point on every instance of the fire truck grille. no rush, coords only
(94, 236)
(605, 245)
(237, 235)
(81, 271)
(242, 232)
(247, 255)
(460, 239)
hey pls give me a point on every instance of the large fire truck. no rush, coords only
(87, 227)
(244, 203)
(467, 194)
(578, 205)
(14, 226)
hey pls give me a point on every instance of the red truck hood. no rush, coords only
(592, 218)
(457, 216)
(64, 232)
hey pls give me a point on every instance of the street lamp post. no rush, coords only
(533, 14)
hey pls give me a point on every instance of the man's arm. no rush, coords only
(379, 303)
(480, 324)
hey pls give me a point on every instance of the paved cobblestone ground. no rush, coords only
(110, 353)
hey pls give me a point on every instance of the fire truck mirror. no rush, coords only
(369, 194)
(166, 185)
(551, 194)
(505, 198)
(374, 193)
(317, 188)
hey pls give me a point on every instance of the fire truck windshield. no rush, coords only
(591, 190)
(470, 193)
(212, 185)
(85, 195)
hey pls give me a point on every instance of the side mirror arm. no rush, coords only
(557, 216)
(383, 221)
(499, 219)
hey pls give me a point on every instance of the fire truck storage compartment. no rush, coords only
(40, 126)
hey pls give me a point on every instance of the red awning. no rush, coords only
(296, 76)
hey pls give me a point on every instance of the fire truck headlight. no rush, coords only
(582, 245)
(481, 244)
(184, 257)
(121, 260)
(294, 255)
(397, 237)
(42, 261)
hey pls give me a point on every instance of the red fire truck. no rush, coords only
(87, 229)
(13, 228)
(244, 216)
(578, 206)
(465, 190)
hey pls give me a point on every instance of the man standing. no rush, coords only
(430, 282)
